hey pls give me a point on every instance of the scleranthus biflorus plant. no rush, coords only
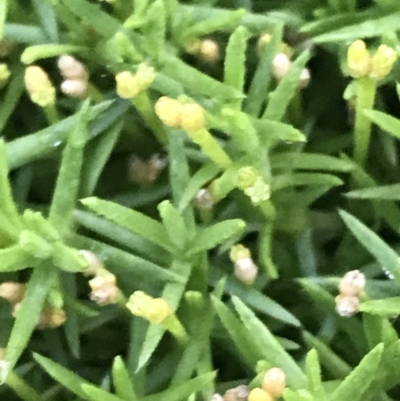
(198, 200)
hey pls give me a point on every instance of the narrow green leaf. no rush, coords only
(3, 15)
(313, 369)
(300, 179)
(271, 132)
(286, 89)
(235, 61)
(202, 176)
(299, 395)
(155, 28)
(385, 255)
(66, 191)
(183, 391)
(210, 237)
(382, 307)
(38, 287)
(38, 52)
(93, 393)
(258, 91)
(269, 347)
(378, 330)
(174, 224)
(96, 156)
(309, 161)
(134, 221)
(47, 15)
(14, 258)
(384, 121)
(386, 192)
(22, 388)
(69, 380)
(357, 382)
(122, 381)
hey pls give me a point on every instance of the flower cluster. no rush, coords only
(76, 77)
(350, 288)
(272, 387)
(130, 84)
(362, 63)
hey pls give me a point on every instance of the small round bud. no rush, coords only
(247, 177)
(262, 41)
(51, 318)
(71, 68)
(280, 65)
(259, 192)
(204, 199)
(4, 74)
(305, 78)
(193, 117)
(39, 87)
(104, 289)
(246, 270)
(347, 306)
(12, 292)
(352, 283)
(358, 59)
(169, 111)
(145, 171)
(74, 88)
(157, 311)
(95, 264)
(209, 51)
(127, 85)
(258, 394)
(274, 382)
(382, 61)
(239, 393)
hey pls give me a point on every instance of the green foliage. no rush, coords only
(308, 186)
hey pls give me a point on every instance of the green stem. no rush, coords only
(146, 109)
(22, 388)
(174, 326)
(51, 114)
(94, 93)
(366, 90)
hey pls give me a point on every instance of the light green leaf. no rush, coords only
(271, 132)
(155, 28)
(385, 255)
(210, 237)
(383, 307)
(134, 221)
(93, 393)
(384, 121)
(354, 386)
(300, 179)
(14, 258)
(38, 287)
(122, 381)
(3, 15)
(268, 347)
(386, 192)
(38, 52)
(314, 380)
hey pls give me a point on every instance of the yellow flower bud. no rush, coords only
(39, 87)
(13, 292)
(258, 394)
(274, 382)
(358, 59)
(144, 76)
(127, 85)
(209, 51)
(193, 117)
(239, 252)
(262, 41)
(259, 192)
(157, 311)
(4, 74)
(169, 111)
(382, 61)
(51, 318)
(347, 306)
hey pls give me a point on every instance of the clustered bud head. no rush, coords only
(247, 177)
(51, 318)
(145, 171)
(4, 74)
(204, 199)
(76, 76)
(13, 292)
(250, 181)
(95, 264)
(239, 393)
(130, 84)
(190, 117)
(39, 87)
(258, 394)
(155, 310)
(244, 267)
(104, 288)
(361, 63)
(274, 382)
(346, 305)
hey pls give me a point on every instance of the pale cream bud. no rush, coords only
(104, 289)
(280, 66)
(95, 264)
(258, 394)
(169, 111)
(305, 78)
(71, 68)
(74, 88)
(51, 318)
(39, 87)
(246, 270)
(274, 382)
(347, 306)
(239, 393)
(13, 292)
(209, 51)
(352, 283)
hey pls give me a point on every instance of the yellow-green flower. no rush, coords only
(358, 59)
